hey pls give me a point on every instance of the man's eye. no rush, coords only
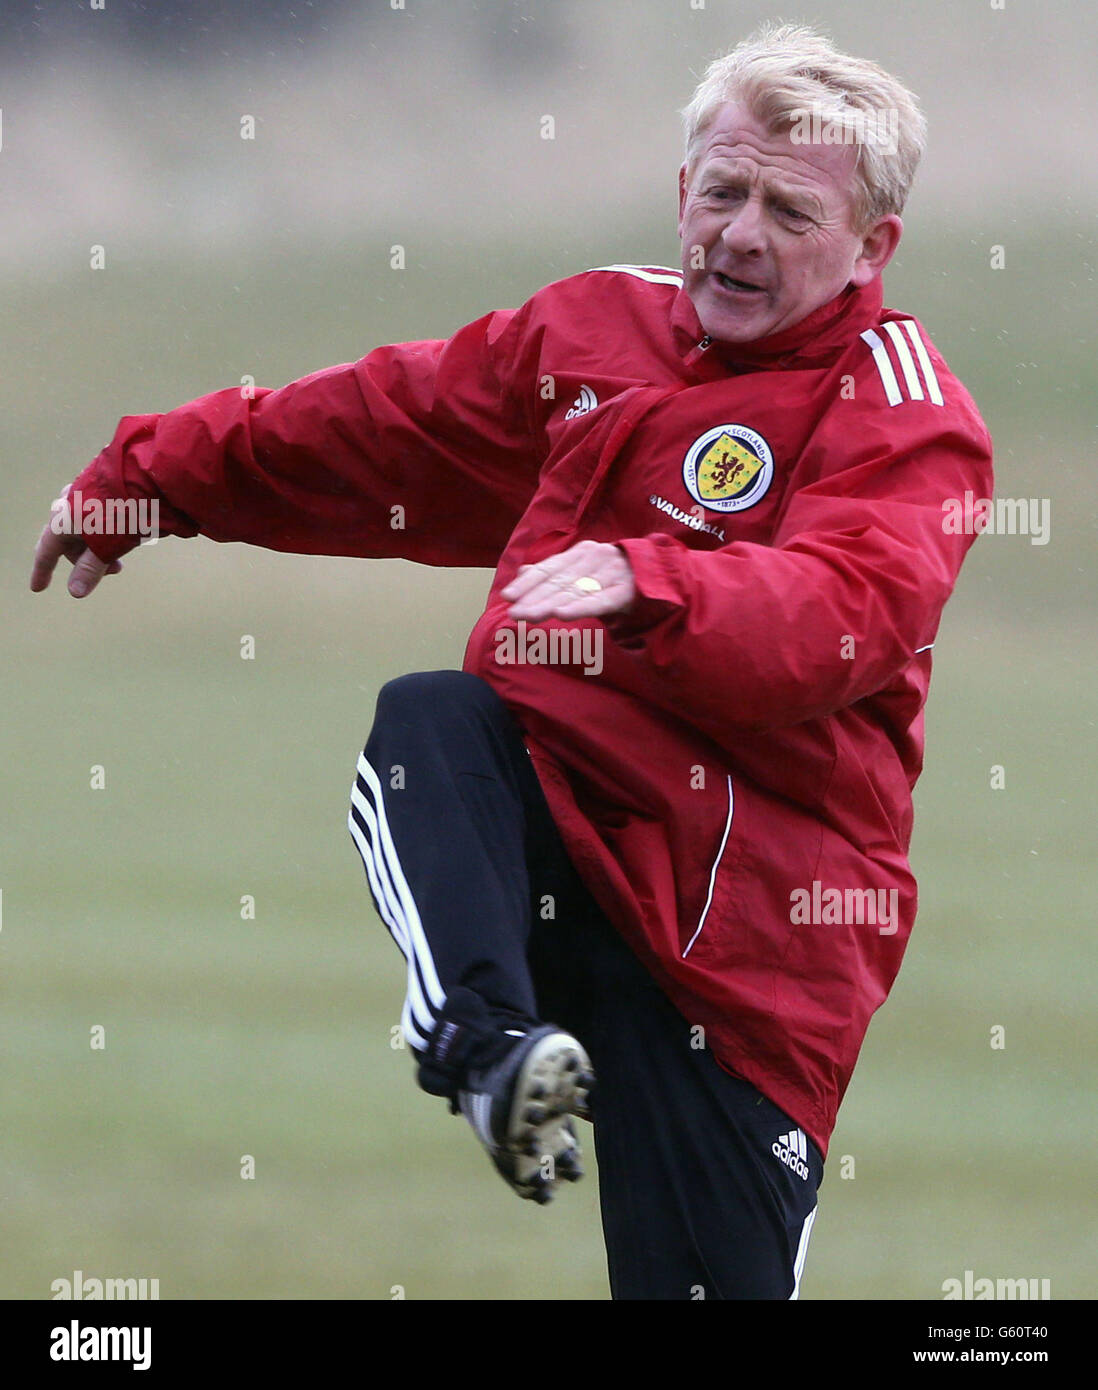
(794, 215)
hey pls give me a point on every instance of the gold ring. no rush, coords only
(587, 585)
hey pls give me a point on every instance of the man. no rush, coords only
(647, 855)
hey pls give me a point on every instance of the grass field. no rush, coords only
(271, 1037)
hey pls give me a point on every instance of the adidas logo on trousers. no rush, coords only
(791, 1149)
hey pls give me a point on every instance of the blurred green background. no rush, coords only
(224, 777)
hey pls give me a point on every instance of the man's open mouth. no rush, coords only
(727, 282)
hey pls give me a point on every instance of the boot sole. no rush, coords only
(552, 1085)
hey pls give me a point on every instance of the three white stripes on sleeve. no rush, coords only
(903, 346)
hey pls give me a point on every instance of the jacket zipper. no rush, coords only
(697, 350)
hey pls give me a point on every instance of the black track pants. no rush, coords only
(708, 1190)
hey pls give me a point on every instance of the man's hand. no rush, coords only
(588, 580)
(87, 568)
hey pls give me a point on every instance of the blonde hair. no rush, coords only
(793, 79)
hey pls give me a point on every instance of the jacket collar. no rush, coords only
(827, 330)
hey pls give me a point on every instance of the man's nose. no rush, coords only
(744, 233)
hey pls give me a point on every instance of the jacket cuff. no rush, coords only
(657, 596)
(112, 519)
(87, 516)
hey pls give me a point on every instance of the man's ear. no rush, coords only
(878, 247)
(682, 194)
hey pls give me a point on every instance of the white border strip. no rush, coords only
(802, 1254)
(713, 871)
(667, 277)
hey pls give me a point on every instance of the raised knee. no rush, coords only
(433, 695)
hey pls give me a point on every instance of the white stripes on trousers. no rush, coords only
(369, 827)
(802, 1254)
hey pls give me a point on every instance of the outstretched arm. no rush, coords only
(420, 450)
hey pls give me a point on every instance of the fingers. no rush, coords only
(548, 589)
(57, 540)
(542, 595)
(47, 552)
(551, 574)
(86, 574)
(539, 593)
(559, 603)
(87, 571)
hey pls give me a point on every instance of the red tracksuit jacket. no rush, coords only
(735, 785)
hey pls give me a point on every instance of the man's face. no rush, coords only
(773, 220)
